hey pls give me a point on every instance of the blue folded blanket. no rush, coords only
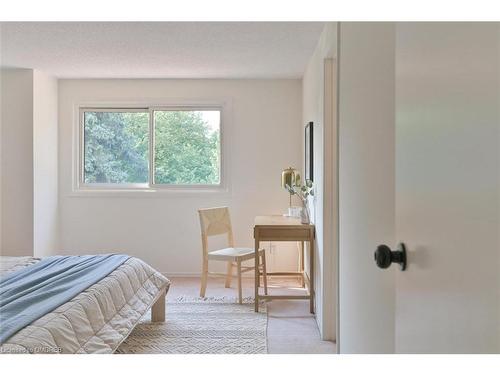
(28, 294)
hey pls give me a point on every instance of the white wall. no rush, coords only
(45, 164)
(29, 163)
(17, 162)
(498, 160)
(1, 142)
(313, 105)
(366, 185)
(164, 230)
(447, 171)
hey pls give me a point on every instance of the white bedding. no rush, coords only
(95, 321)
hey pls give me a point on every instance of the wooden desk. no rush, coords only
(282, 228)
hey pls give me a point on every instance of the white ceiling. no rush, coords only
(161, 49)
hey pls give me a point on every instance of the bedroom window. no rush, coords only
(147, 148)
(186, 147)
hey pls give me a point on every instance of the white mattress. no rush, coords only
(95, 321)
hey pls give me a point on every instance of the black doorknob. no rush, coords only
(384, 256)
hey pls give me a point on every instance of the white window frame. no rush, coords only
(102, 189)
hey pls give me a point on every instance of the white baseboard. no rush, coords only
(198, 275)
(248, 275)
(181, 274)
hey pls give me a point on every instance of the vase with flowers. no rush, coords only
(303, 191)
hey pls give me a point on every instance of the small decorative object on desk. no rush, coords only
(294, 211)
(289, 177)
(303, 191)
(304, 214)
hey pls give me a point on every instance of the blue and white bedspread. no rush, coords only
(32, 292)
(73, 304)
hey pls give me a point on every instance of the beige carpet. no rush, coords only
(202, 326)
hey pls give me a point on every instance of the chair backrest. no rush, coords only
(215, 221)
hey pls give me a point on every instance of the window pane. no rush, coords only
(187, 147)
(116, 147)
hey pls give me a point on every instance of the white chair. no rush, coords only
(216, 221)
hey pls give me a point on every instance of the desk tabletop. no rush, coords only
(279, 220)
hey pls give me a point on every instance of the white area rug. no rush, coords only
(202, 326)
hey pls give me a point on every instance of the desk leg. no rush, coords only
(301, 263)
(311, 274)
(257, 272)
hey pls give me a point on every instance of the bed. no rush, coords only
(96, 320)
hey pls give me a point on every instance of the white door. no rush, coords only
(419, 163)
(447, 187)
(366, 186)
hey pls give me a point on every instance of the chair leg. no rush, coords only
(258, 279)
(204, 276)
(240, 292)
(264, 271)
(229, 274)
